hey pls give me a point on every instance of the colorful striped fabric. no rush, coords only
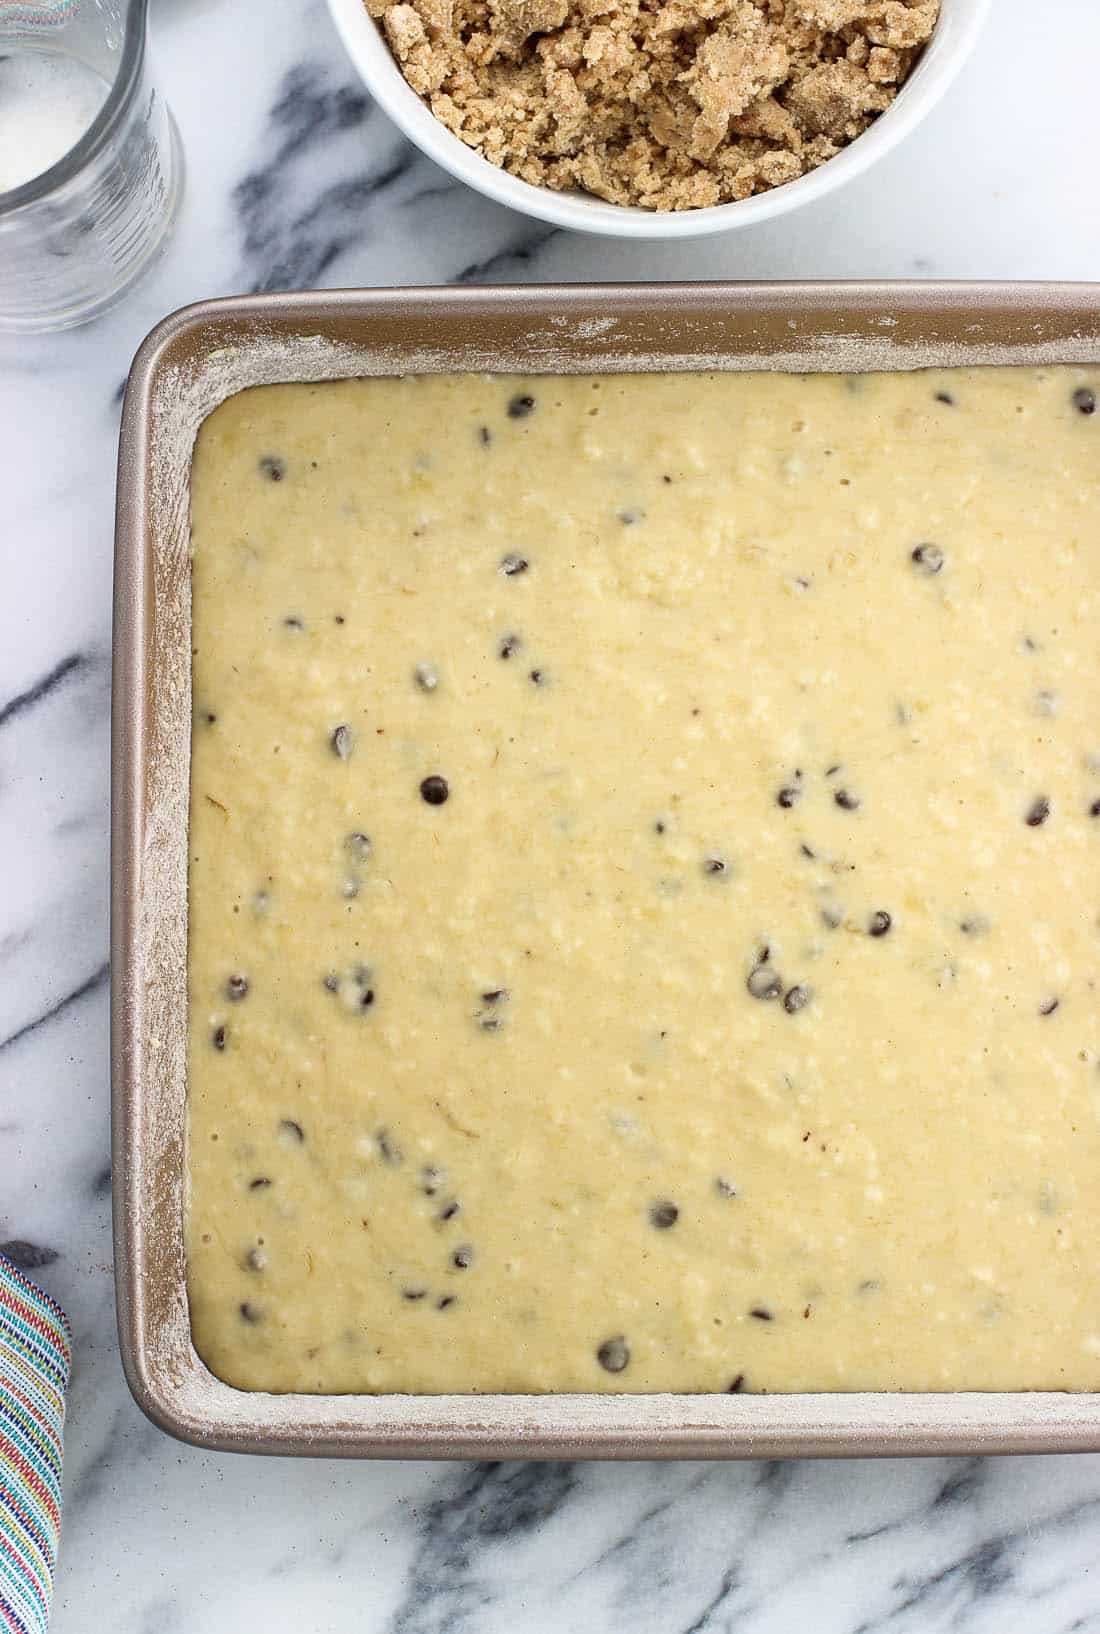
(35, 1355)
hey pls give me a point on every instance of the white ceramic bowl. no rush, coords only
(956, 31)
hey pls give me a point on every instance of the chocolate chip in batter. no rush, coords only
(762, 1313)
(218, 1038)
(537, 677)
(413, 1293)
(431, 1179)
(273, 467)
(463, 1257)
(444, 1301)
(787, 796)
(261, 1183)
(880, 923)
(354, 989)
(426, 677)
(342, 742)
(846, 800)
(449, 1210)
(510, 645)
(434, 790)
(513, 565)
(1048, 1007)
(1084, 400)
(293, 622)
(291, 1132)
(928, 558)
(946, 398)
(629, 517)
(249, 1313)
(724, 1187)
(975, 924)
(521, 405)
(715, 866)
(236, 988)
(484, 436)
(614, 1354)
(663, 1214)
(495, 995)
(764, 983)
(388, 1152)
(795, 999)
(736, 1385)
(1038, 812)
(1094, 809)
(211, 718)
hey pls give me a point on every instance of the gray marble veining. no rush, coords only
(295, 178)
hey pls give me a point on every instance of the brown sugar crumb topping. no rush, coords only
(664, 104)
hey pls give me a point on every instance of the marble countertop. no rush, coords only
(295, 179)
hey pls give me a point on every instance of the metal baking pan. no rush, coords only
(188, 365)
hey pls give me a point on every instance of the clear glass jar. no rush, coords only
(91, 168)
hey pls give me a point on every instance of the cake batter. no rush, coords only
(644, 884)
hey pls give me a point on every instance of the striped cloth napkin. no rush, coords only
(35, 1355)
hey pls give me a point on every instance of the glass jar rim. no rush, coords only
(72, 162)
